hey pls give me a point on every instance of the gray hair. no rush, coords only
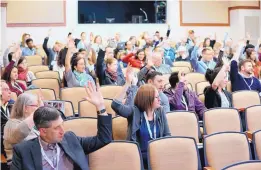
(23, 100)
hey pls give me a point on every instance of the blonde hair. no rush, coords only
(23, 100)
(23, 41)
(110, 60)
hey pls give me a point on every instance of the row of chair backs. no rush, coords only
(245, 98)
(34, 60)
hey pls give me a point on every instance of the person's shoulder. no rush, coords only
(26, 145)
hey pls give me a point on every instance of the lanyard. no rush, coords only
(18, 87)
(183, 100)
(249, 86)
(48, 160)
(148, 126)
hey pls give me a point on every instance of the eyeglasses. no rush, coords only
(6, 89)
(33, 105)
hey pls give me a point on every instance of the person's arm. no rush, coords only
(130, 95)
(100, 66)
(5, 57)
(46, 50)
(194, 58)
(234, 65)
(16, 159)
(209, 97)
(175, 99)
(166, 131)
(220, 77)
(200, 107)
(15, 58)
(68, 56)
(127, 58)
(168, 31)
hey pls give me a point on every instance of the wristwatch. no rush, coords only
(101, 111)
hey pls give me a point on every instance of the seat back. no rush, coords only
(226, 148)
(86, 109)
(201, 97)
(82, 127)
(47, 74)
(245, 98)
(253, 118)
(183, 123)
(221, 120)
(182, 64)
(257, 144)
(246, 165)
(48, 94)
(34, 60)
(181, 69)
(200, 87)
(194, 78)
(117, 155)
(74, 94)
(229, 86)
(38, 68)
(68, 108)
(173, 153)
(110, 92)
(48, 83)
(119, 128)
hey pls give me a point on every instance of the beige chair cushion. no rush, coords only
(200, 87)
(257, 137)
(48, 94)
(181, 69)
(244, 99)
(201, 97)
(182, 64)
(110, 91)
(81, 126)
(119, 128)
(74, 95)
(253, 118)
(13, 96)
(89, 110)
(225, 149)
(194, 78)
(48, 83)
(173, 153)
(116, 156)
(221, 120)
(68, 107)
(38, 68)
(34, 60)
(183, 124)
(48, 74)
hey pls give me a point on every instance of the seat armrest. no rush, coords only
(249, 135)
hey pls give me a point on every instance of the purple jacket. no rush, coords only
(175, 96)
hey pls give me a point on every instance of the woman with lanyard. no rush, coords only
(146, 118)
(11, 75)
(181, 98)
(20, 126)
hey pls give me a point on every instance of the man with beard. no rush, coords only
(243, 79)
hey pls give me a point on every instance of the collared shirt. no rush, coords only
(4, 106)
(50, 150)
(28, 52)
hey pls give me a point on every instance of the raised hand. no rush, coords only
(129, 74)
(40, 98)
(49, 32)
(71, 44)
(94, 95)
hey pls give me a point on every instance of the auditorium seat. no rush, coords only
(119, 128)
(34, 60)
(38, 68)
(257, 144)
(245, 98)
(48, 83)
(245, 165)
(47, 74)
(110, 91)
(48, 94)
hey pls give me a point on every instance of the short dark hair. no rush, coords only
(81, 50)
(156, 32)
(44, 115)
(259, 45)
(74, 60)
(10, 56)
(7, 74)
(69, 34)
(151, 75)
(174, 79)
(28, 40)
(243, 62)
(212, 74)
(20, 60)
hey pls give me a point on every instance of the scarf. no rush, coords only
(113, 75)
(81, 77)
(22, 74)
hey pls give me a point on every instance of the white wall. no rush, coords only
(59, 33)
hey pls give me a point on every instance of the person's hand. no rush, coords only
(129, 74)
(248, 36)
(40, 98)
(94, 95)
(49, 32)
(70, 45)
(182, 77)
(91, 36)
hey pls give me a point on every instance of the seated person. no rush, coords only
(11, 76)
(181, 98)
(72, 149)
(75, 69)
(23, 72)
(146, 108)
(136, 60)
(20, 126)
(251, 54)
(59, 65)
(243, 79)
(166, 60)
(108, 69)
(6, 106)
(205, 62)
(30, 49)
(216, 95)
(182, 54)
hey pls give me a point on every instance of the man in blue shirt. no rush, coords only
(30, 49)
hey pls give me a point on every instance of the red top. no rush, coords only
(18, 88)
(134, 62)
